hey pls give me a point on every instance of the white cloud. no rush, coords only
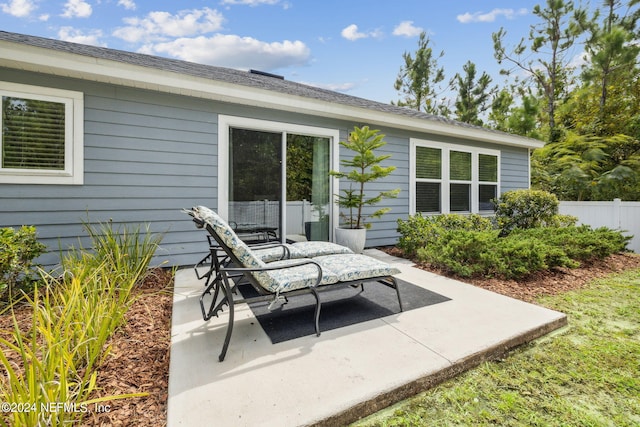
(44, 17)
(159, 25)
(70, 34)
(351, 33)
(580, 59)
(127, 4)
(407, 29)
(19, 8)
(77, 9)
(467, 18)
(234, 52)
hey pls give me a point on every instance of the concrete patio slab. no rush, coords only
(346, 373)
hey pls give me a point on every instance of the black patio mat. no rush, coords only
(341, 307)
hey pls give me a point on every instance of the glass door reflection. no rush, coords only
(308, 187)
(255, 184)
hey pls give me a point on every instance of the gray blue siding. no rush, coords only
(147, 155)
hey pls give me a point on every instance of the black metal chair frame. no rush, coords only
(224, 271)
(217, 258)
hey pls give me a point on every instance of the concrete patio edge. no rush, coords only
(406, 391)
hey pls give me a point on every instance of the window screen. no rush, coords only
(459, 197)
(33, 134)
(488, 168)
(428, 197)
(428, 163)
(486, 194)
(460, 166)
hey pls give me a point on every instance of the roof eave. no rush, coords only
(30, 58)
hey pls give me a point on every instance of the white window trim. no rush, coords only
(73, 174)
(445, 180)
(226, 122)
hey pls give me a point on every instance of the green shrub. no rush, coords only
(462, 252)
(523, 252)
(518, 256)
(580, 243)
(523, 209)
(538, 239)
(420, 231)
(483, 253)
(563, 221)
(18, 249)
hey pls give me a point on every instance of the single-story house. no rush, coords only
(91, 134)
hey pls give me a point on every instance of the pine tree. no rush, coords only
(473, 95)
(419, 78)
(550, 44)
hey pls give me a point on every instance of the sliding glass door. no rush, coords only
(308, 184)
(255, 183)
(279, 186)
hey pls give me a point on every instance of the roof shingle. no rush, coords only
(232, 76)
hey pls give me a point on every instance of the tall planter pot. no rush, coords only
(353, 238)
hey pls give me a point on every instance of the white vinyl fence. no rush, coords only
(617, 215)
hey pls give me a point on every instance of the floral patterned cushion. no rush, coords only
(292, 278)
(355, 267)
(301, 250)
(315, 249)
(271, 254)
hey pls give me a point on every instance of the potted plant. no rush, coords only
(364, 168)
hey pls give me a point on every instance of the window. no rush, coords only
(450, 178)
(459, 181)
(276, 175)
(488, 177)
(429, 174)
(42, 135)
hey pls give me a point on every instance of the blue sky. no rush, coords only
(352, 46)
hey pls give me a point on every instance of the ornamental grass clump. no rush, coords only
(73, 317)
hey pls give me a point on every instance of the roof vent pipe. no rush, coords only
(264, 73)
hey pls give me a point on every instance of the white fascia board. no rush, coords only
(36, 59)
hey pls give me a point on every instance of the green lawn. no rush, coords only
(587, 374)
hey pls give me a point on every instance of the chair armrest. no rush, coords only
(260, 246)
(277, 267)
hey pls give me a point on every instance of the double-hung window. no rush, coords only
(42, 135)
(448, 178)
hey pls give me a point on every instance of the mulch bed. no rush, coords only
(544, 283)
(138, 361)
(139, 358)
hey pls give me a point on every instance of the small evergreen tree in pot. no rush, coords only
(363, 168)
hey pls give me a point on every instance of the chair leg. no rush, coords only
(395, 285)
(228, 294)
(215, 306)
(317, 314)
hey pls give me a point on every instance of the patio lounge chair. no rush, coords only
(278, 280)
(266, 252)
